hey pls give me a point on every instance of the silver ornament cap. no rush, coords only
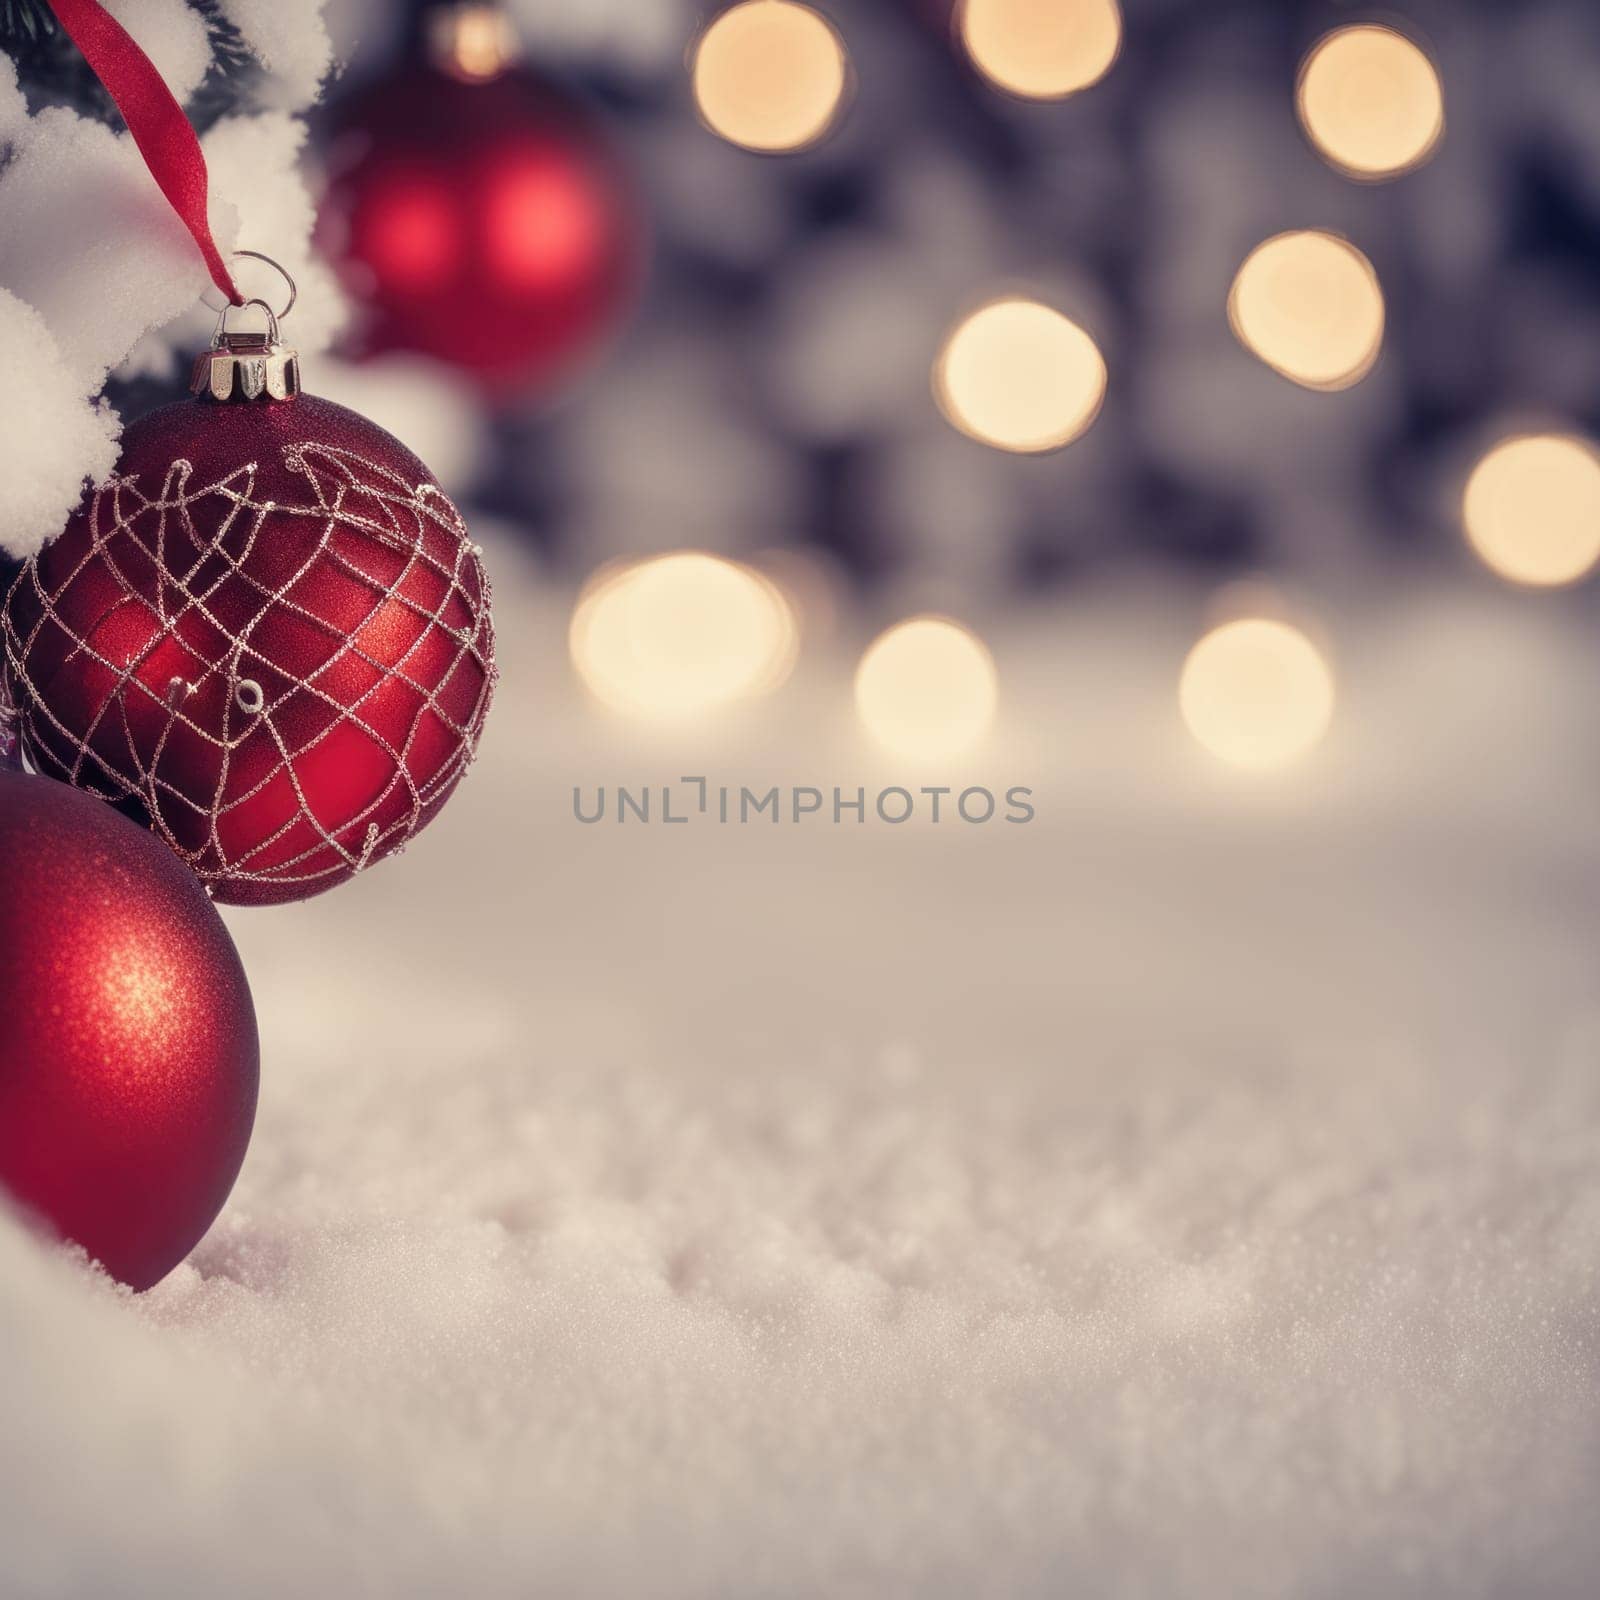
(250, 366)
(247, 366)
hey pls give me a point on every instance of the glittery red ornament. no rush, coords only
(128, 1050)
(267, 635)
(484, 222)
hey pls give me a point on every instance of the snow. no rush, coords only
(1190, 1193)
(290, 39)
(13, 104)
(173, 34)
(42, 487)
(102, 258)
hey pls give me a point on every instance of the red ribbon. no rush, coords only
(165, 137)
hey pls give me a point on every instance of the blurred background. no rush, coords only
(956, 308)
(951, 305)
(775, 384)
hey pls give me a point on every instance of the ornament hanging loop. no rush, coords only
(278, 267)
(222, 339)
(282, 271)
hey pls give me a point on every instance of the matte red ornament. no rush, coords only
(487, 224)
(267, 635)
(128, 1052)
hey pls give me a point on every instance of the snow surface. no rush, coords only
(1191, 1193)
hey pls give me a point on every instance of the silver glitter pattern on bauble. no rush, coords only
(347, 493)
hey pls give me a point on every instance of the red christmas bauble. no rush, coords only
(128, 1052)
(487, 224)
(267, 635)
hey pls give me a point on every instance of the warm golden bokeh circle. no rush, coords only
(770, 75)
(1532, 509)
(1309, 304)
(1370, 101)
(1018, 375)
(1256, 693)
(1041, 49)
(680, 635)
(927, 688)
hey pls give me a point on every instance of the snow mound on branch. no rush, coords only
(13, 107)
(91, 244)
(55, 437)
(289, 39)
(173, 34)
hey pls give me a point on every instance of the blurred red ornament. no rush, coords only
(128, 1051)
(267, 634)
(481, 214)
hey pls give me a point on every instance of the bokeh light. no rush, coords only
(681, 635)
(1370, 101)
(1020, 376)
(1532, 509)
(1041, 49)
(1310, 306)
(770, 75)
(927, 688)
(472, 42)
(1256, 693)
